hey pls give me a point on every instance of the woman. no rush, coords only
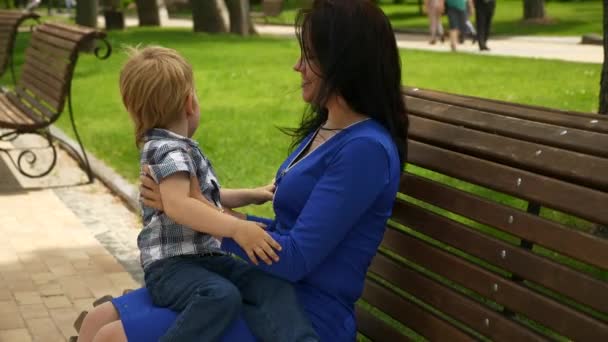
(334, 192)
(457, 11)
(434, 9)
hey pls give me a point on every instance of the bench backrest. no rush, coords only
(47, 71)
(490, 235)
(9, 23)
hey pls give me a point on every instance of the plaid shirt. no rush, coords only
(167, 153)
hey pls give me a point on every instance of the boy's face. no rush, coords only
(193, 113)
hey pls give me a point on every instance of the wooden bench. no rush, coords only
(43, 88)
(9, 24)
(491, 235)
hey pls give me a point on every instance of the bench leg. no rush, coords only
(83, 159)
(28, 157)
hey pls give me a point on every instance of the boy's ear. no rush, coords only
(190, 104)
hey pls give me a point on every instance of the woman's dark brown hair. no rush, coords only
(353, 44)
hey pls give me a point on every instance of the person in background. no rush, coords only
(457, 16)
(484, 11)
(434, 9)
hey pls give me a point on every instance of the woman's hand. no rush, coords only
(150, 191)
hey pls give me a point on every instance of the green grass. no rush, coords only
(565, 18)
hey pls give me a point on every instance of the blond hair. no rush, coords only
(154, 84)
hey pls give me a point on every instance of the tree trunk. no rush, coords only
(534, 9)
(148, 12)
(239, 16)
(86, 13)
(209, 16)
(604, 80)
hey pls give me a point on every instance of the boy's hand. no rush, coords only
(257, 243)
(264, 194)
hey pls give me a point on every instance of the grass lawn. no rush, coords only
(566, 18)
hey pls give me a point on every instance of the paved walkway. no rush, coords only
(560, 48)
(63, 246)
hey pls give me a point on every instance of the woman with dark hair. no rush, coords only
(334, 192)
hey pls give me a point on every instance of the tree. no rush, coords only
(534, 9)
(603, 109)
(148, 12)
(240, 21)
(210, 16)
(86, 13)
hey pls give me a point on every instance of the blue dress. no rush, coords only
(331, 208)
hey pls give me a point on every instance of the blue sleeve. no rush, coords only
(356, 176)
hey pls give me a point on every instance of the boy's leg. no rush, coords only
(270, 305)
(208, 303)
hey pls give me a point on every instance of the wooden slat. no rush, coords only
(562, 164)
(12, 101)
(375, 329)
(57, 70)
(576, 285)
(532, 187)
(575, 244)
(464, 309)
(413, 316)
(53, 52)
(60, 33)
(560, 318)
(22, 97)
(52, 40)
(12, 14)
(41, 91)
(83, 30)
(50, 85)
(11, 116)
(532, 131)
(595, 123)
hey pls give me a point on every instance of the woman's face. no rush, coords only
(308, 69)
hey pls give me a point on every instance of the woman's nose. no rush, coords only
(298, 66)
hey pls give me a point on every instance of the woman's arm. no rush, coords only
(357, 176)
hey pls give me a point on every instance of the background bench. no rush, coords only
(491, 235)
(9, 24)
(43, 88)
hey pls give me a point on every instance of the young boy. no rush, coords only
(184, 267)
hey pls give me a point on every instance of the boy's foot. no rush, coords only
(433, 41)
